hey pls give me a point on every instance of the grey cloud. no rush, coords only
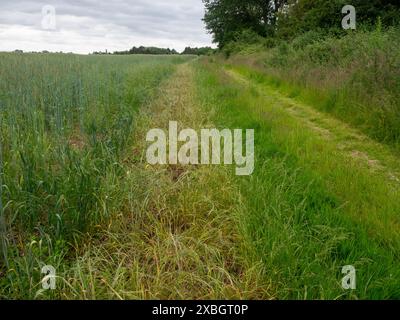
(172, 22)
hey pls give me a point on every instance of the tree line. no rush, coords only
(161, 51)
(226, 19)
(147, 50)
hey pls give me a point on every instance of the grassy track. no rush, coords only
(314, 204)
(355, 78)
(177, 237)
(79, 194)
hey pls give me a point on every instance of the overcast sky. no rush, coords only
(84, 26)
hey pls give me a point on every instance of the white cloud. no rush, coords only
(87, 25)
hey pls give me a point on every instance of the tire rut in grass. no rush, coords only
(349, 141)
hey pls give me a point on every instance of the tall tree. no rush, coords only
(306, 15)
(224, 18)
(287, 18)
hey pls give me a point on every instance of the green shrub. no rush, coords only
(270, 43)
(306, 39)
(356, 77)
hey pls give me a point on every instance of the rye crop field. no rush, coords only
(66, 128)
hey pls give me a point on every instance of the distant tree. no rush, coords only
(198, 51)
(147, 50)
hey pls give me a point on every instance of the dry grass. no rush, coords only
(177, 236)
